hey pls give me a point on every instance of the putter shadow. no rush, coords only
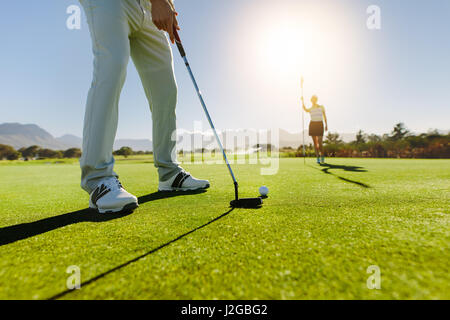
(23, 231)
(326, 167)
(101, 275)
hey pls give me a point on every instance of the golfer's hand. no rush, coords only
(164, 17)
(326, 127)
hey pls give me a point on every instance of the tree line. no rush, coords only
(399, 143)
(35, 152)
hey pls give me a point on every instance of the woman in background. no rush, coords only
(316, 128)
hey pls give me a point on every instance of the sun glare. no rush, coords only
(275, 46)
(282, 47)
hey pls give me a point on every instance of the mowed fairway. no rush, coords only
(314, 238)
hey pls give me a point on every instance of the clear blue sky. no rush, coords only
(248, 56)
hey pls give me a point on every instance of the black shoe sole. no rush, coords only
(127, 209)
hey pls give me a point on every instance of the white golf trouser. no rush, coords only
(120, 29)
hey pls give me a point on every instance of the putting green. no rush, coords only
(314, 238)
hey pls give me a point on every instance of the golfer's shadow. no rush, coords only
(151, 251)
(326, 167)
(27, 230)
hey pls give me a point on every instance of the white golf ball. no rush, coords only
(263, 191)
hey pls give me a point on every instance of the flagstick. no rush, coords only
(303, 131)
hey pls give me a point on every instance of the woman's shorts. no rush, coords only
(316, 128)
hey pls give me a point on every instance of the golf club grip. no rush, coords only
(178, 42)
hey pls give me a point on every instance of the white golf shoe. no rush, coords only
(183, 181)
(111, 197)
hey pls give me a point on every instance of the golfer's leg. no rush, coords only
(152, 55)
(109, 32)
(315, 145)
(321, 145)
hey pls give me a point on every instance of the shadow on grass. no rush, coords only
(84, 284)
(326, 167)
(27, 230)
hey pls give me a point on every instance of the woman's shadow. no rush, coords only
(326, 167)
(22, 231)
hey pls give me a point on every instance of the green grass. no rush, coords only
(313, 239)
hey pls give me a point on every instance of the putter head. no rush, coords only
(248, 203)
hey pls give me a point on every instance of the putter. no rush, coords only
(236, 203)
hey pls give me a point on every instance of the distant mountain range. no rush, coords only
(24, 135)
(135, 144)
(70, 140)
